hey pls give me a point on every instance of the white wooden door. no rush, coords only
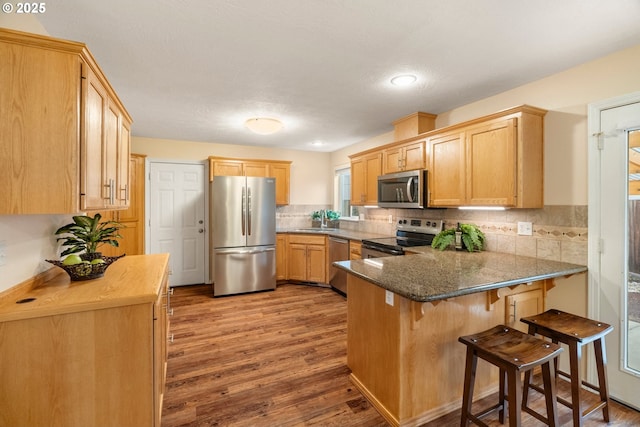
(610, 123)
(177, 219)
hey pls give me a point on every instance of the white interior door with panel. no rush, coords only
(177, 219)
(612, 252)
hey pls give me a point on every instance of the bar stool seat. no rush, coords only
(575, 332)
(512, 352)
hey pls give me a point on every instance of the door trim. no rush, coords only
(147, 205)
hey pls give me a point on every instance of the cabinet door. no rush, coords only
(281, 257)
(227, 168)
(110, 155)
(392, 160)
(256, 169)
(447, 170)
(373, 170)
(316, 259)
(281, 173)
(355, 250)
(358, 181)
(491, 164)
(92, 143)
(521, 305)
(123, 194)
(297, 262)
(414, 156)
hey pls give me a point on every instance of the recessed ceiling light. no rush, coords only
(263, 125)
(403, 80)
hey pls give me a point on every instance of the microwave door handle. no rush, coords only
(409, 183)
(397, 194)
(401, 195)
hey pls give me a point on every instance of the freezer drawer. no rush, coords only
(243, 270)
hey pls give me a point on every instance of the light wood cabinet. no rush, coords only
(307, 258)
(132, 241)
(355, 249)
(278, 169)
(404, 157)
(365, 170)
(281, 257)
(493, 161)
(61, 124)
(89, 354)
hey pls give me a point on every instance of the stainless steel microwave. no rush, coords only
(403, 190)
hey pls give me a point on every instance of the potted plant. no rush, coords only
(473, 239)
(83, 238)
(87, 234)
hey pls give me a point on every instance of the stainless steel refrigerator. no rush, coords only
(243, 214)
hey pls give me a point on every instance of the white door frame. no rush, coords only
(595, 242)
(147, 206)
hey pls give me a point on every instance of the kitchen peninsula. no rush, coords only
(405, 314)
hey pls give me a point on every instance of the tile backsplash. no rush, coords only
(559, 232)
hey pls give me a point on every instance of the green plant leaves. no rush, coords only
(473, 239)
(88, 233)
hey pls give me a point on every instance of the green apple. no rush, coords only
(72, 259)
(97, 261)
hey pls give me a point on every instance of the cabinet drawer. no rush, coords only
(307, 239)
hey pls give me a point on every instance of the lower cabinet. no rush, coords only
(281, 257)
(355, 249)
(523, 304)
(307, 258)
(87, 354)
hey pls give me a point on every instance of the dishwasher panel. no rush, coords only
(338, 251)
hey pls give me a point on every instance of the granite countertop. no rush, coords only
(433, 275)
(335, 232)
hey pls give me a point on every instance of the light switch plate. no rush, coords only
(388, 297)
(525, 229)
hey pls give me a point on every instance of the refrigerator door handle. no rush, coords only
(244, 210)
(253, 250)
(249, 214)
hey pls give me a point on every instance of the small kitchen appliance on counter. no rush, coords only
(243, 214)
(409, 232)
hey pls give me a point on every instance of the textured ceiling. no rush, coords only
(197, 69)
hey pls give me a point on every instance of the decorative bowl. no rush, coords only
(86, 270)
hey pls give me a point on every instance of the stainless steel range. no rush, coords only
(409, 232)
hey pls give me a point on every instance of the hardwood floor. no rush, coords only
(277, 359)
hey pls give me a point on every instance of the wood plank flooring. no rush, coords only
(277, 359)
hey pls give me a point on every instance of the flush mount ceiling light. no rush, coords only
(403, 80)
(263, 125)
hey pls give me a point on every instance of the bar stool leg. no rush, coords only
(575, 354)
(549, 381)
(514, 391)
(601, 363)
(469, 380)
(501, 394)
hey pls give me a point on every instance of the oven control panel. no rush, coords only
(420, 225)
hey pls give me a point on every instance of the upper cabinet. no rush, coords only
(365, 169)
(65, 134)
(405, 156)
(496, 160)
(278, 169)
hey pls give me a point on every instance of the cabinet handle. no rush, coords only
(170, 338)
(126, 192)
(112, 192)
(515, 317)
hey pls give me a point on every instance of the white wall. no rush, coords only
(310, 171)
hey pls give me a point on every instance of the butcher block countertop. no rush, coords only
(432, 275)
(130, 280)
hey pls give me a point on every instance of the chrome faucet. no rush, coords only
(323, 218)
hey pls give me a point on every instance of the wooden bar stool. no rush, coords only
(574, 331)
(512, 352)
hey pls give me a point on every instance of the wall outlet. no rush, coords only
(390, 219)
(3, 252)
(388, 297)
(525, 229)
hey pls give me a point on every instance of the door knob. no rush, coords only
(201, 230)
